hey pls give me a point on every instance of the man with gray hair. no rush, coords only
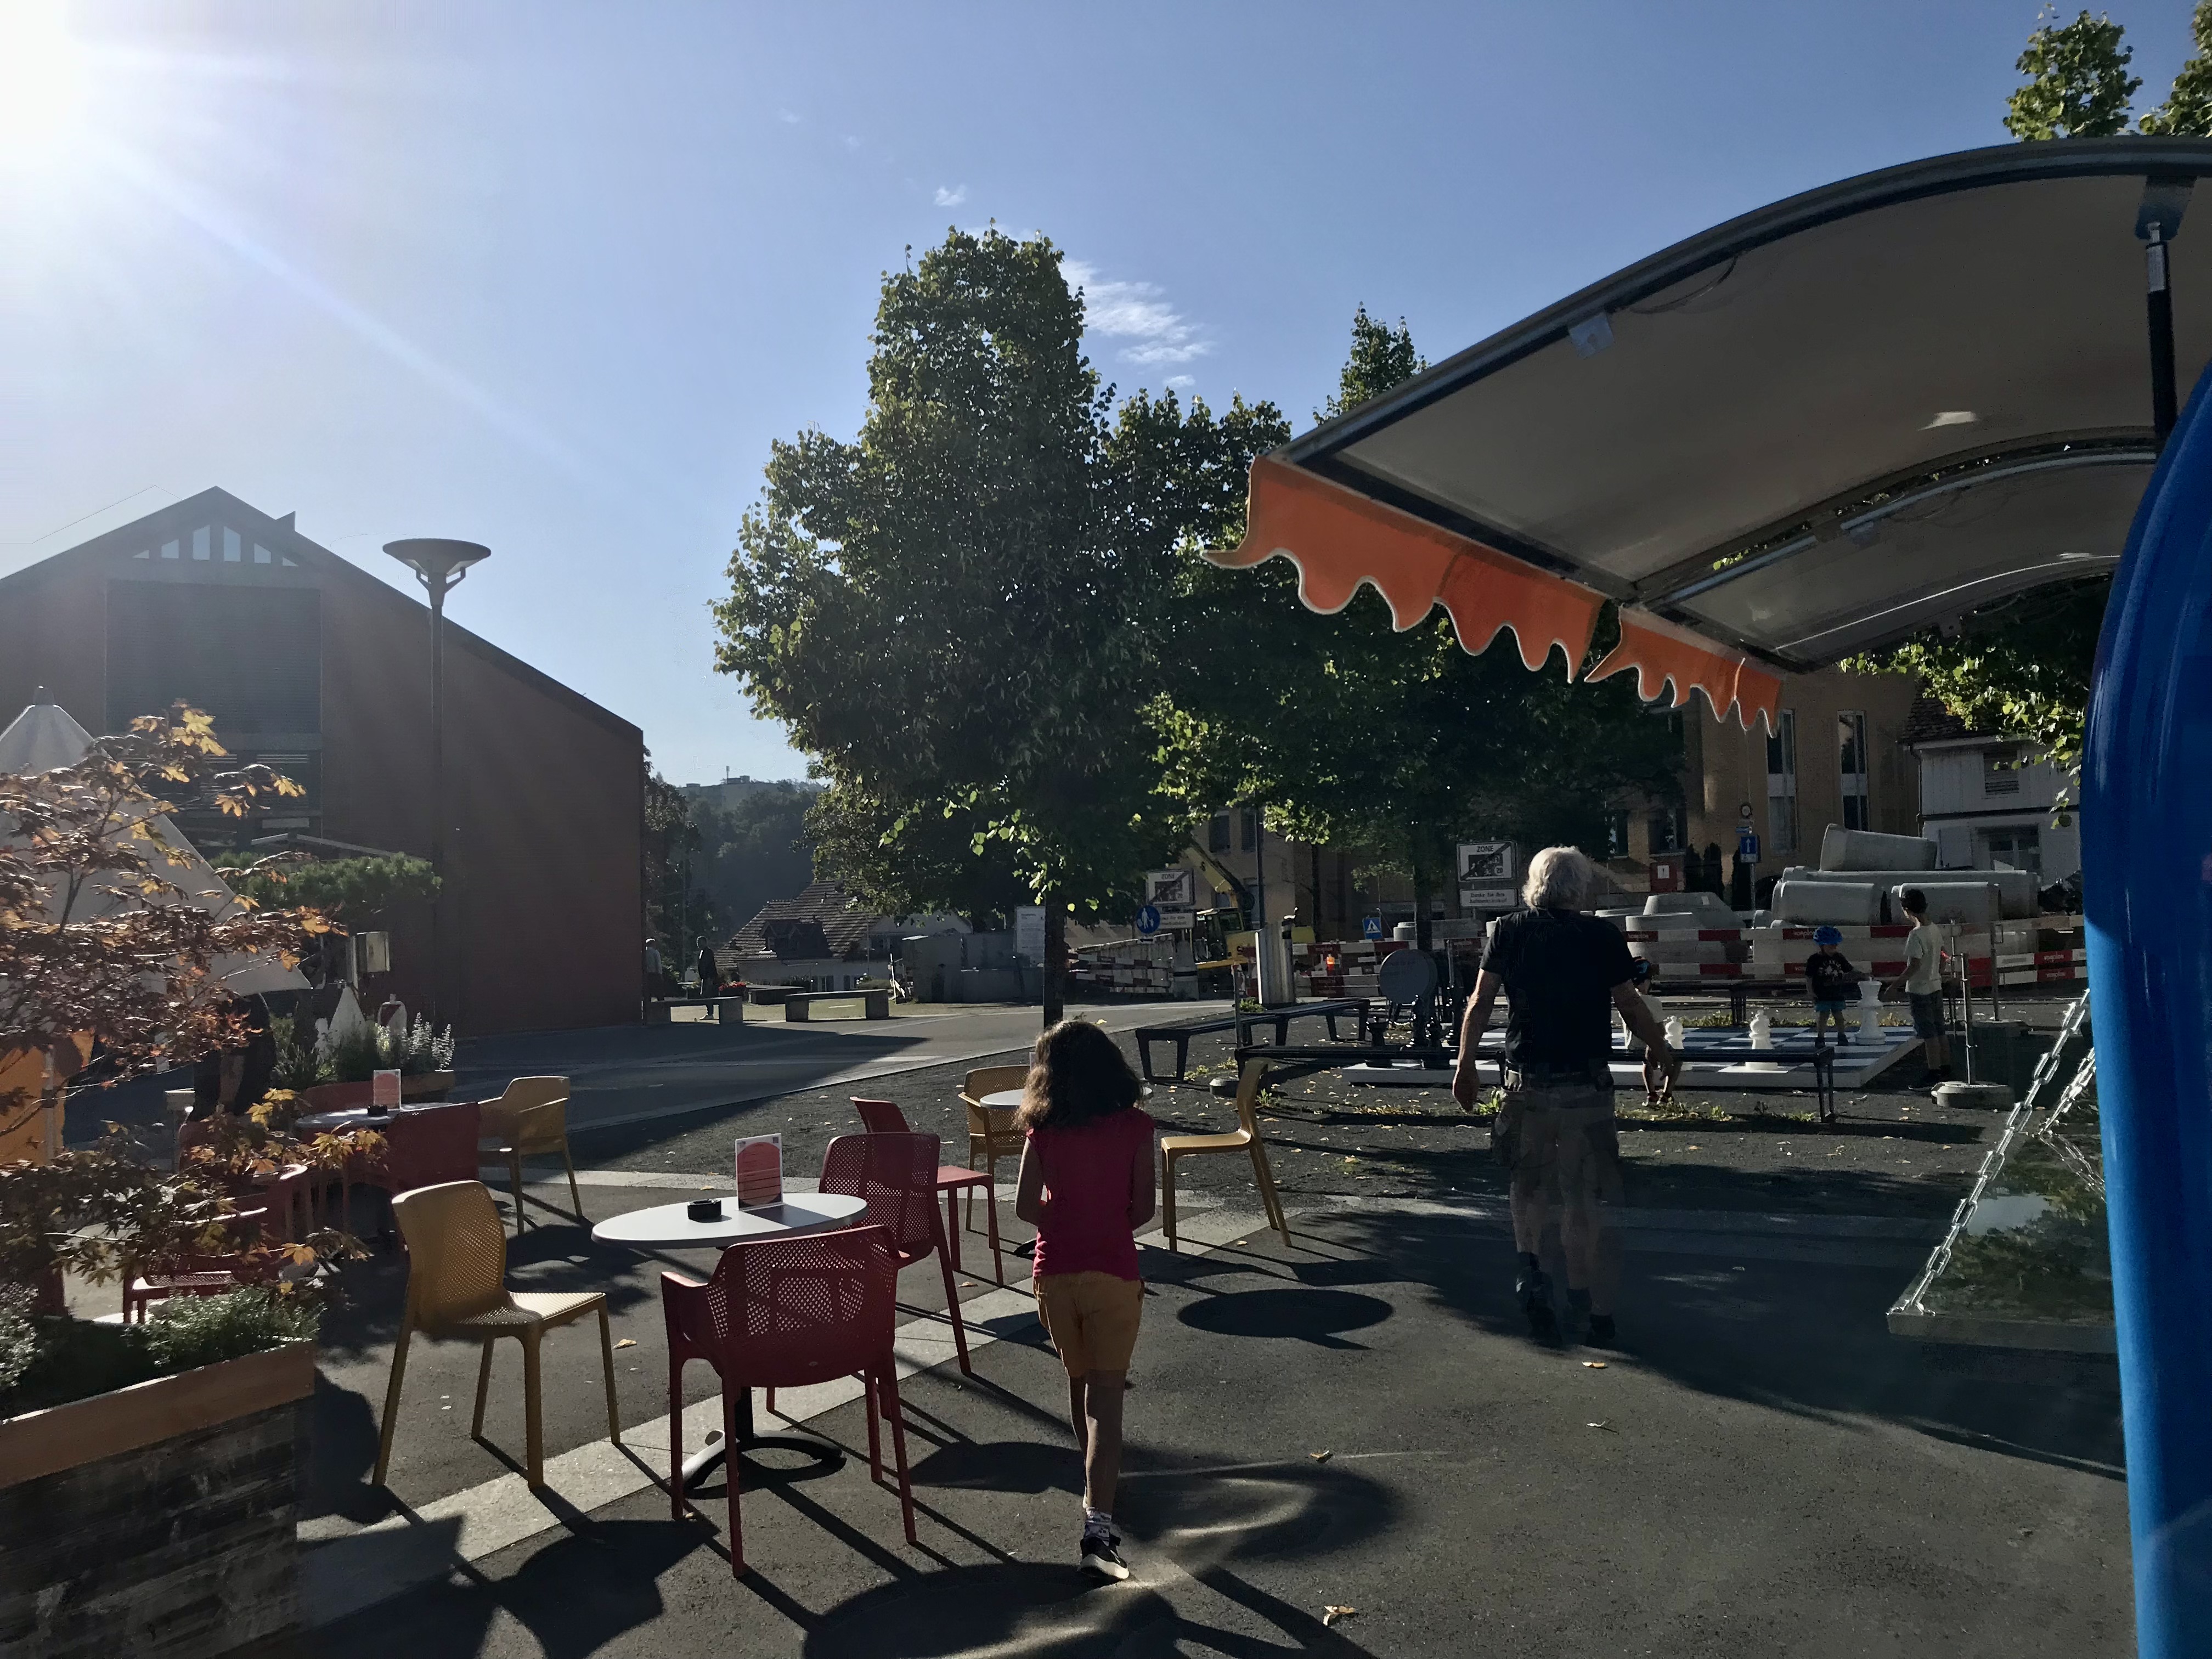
(1563, 973)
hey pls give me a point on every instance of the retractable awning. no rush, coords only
(1814, 429)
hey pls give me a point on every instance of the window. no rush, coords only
(1217, 834)
(1782, 783)
(1248, 829)
(1670, 829)
(2019, 846)
(1616, 835)
(1852, 769)
(2000, 771)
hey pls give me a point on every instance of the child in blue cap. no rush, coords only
(1833, 982)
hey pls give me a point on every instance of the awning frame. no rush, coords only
(2169, 166)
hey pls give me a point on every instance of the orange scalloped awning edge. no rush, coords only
(1339, 539)
(1660, 653)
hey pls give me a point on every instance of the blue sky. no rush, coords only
(551, 276)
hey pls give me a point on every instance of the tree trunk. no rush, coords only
(1424, 930)
(1055, 959)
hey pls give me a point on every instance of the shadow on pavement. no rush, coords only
(1307, 1315)
(1794, 1336)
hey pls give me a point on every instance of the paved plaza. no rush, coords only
(1357, 1420)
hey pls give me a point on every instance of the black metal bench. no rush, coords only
(1331, 1011)
(1241, 1024)
(1147, 1035)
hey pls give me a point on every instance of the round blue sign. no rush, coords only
(1148, 919)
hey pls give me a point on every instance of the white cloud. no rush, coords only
(952, 196)
(1135, 311)
(787, 117)
(851, 142)
(1180, 381)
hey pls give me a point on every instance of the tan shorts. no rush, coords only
(1092, 1319)
(1567, 1143)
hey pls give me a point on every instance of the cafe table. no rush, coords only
(670, 1227)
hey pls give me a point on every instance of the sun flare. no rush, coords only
(42, 81)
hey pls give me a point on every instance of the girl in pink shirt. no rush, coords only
(1086, 1187)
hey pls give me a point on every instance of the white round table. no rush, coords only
(357, 1117)
(666, 1227)
(1006, 1100)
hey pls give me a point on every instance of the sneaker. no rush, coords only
(1101, 1557)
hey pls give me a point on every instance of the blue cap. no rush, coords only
(1828, 936)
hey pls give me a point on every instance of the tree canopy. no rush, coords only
(954, 612)
(2078, 84)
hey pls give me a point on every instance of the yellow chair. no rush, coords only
(991, 1131)
(1244, 1138)
(531, 1118)
(457, 1287)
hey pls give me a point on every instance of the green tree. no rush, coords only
(750, 853)
(1381, 357)
(676, 912)
(905, 858)
(2187, 111)
(2078, 84)
(954, 613)
(358, 893)
(1396, 746)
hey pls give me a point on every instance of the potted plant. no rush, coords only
(178, 1432)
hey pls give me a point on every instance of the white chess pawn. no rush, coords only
(1870, 1012)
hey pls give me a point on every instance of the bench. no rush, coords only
(1330, 1011)
(798, 1005)
(725, 1010)
(1241, 1023)
(1147, 1035)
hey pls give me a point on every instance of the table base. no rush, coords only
(708, 1458)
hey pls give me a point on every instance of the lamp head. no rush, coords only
(438, 564)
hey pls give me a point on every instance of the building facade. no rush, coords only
(1988, 799)
(318, 669)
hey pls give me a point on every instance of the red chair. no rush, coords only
(192, 1273)
(883, 1117)
(897, 1175)
(783, 1313)
(424, 1148)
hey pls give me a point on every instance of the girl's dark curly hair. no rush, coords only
(1077, 1074)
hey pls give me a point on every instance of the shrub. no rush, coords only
(186, 1332)
(18, 1337)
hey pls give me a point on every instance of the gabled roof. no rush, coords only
(844, 922)
(144, 537)
(1929, 721)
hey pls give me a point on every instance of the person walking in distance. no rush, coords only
(710, 972)
(1086, 1186)
(1923, 981)
(1563, 973)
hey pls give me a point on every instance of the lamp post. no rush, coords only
(439, 565)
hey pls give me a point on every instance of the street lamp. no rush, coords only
(439, 565)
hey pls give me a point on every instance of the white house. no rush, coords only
(1990, 799)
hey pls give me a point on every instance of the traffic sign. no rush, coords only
(1372, 927)
(1148, 920)
(1485, 862)
(1746, 847)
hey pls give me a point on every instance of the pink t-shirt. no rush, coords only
(1087, 1188)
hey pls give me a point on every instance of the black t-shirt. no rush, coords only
(1560, 968)
(1831, 978)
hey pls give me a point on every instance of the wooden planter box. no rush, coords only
(426, 1085)
(157, 1520)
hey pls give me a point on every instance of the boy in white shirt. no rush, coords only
(1923, 981)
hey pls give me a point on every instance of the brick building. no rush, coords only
(319, 668)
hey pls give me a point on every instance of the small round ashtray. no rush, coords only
(378, 1111)
(704, 1209)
